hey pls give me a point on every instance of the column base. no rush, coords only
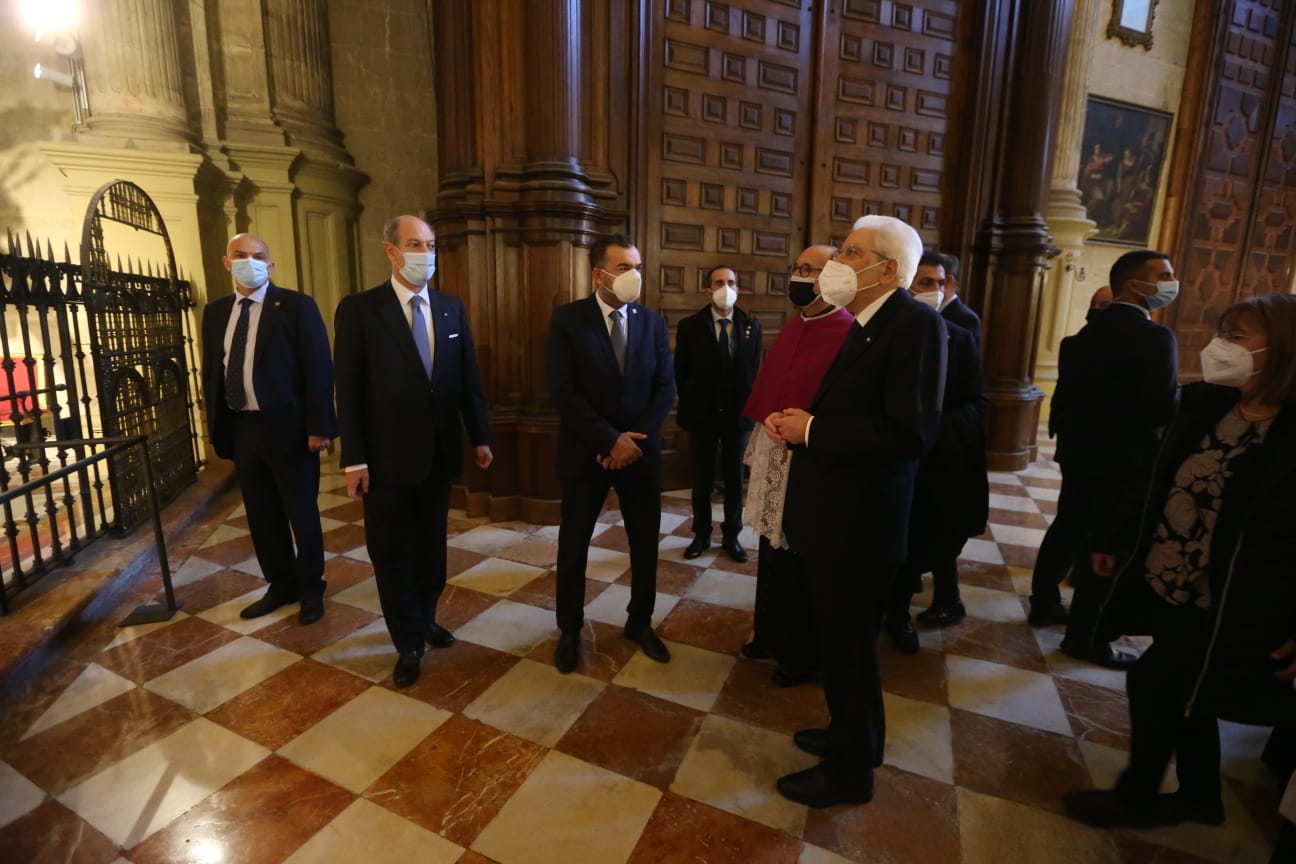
(1012, 427)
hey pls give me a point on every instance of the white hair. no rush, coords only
(893, 238)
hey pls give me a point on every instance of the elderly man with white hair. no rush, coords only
(855, 456)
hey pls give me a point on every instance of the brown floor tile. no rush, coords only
(152, 654)
(910, 818)
(352, 511)
(53, 834)
(1136, 850)
(288, 703)
(258, 818)
(1008, 489)
(748, 695)
(541, 591)
(1010, 643)
(519, 527)
(1015, 762)
(611, 514)
(344, 539)
(339, 620)
(230, 552)
(215, 589)
(993, 576)
(604, 650)
(1097, 714)
(1041, 482)
(66, 754)
(1048, 508)
(240, 522)
(634, 734)
(458, 560)
(471, 857)
(1018, 518)
(1018, 556)
(342, 573)
(678, 506)
(457, 779)
(451, 678)
(456, 526)
(673, 577)
(724, 562)
(1261, 803)
(715, 628)
(613, 538)
(682, 831)
(23, 702)
(458, 606)
(915, 676)
(685, 528)
(536, 551)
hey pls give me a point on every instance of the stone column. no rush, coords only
(1066, 216)
(134, 81)
(301, 78)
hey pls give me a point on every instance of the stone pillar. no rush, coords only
(301, 79)
(1013, 244)
(1066, 216)
(134, 81)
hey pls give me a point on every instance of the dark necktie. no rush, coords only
(723, 344)
(235, 393)
(419, 325)
(618, 339)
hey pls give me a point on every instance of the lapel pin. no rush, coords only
(278, 303)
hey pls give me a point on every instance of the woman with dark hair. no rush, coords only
(1213, 575)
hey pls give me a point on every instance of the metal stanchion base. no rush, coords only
(149, 613)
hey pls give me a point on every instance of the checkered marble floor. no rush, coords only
(214, 739)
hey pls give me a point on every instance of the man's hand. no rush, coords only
(484, 456)
(1102, 563)
(791, 425)
(1286, 651)
(624, 452)
(771, 431)
(317, 443)
(357, 483)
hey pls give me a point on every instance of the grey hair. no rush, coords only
(896, 239)
(391, 230)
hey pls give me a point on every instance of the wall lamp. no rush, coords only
(54, 23)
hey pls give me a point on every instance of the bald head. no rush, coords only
(247, 259)
(808, 264)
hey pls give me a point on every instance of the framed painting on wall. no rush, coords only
(1121, 156)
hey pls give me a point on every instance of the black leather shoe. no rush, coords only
(942, 616)
(1173, 809)
(648, 641)
(816, 742)
(1046, 616)
(783, 678)
(1101, 655)
(817, 787)
(264, 606)
(1105, 808)
(753, 650)
(312, 610)
(567, 653)
(734, 550)
(407, 668)
(699, 545)
(438, 636)
(902, 633)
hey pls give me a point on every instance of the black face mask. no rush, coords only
(801, 292)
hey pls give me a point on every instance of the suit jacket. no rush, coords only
(877, 411)
(595, 400)
(958, 312)
(403, 426)
(699, 377)
(292, 374)
(1115, 392)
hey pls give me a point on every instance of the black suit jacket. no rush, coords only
(403, 426)
(292, 374)
(958, 312)
(1115, 391)
(877, 411)
(698, 370)
(595, 400)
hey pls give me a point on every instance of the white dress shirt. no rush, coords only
(254, 321)
(607, 317)
(716, 318)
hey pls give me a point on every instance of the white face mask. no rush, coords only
(724, 297)
(838, 283)
(626, 286)
(418, 267)
(931, 298)
(1227, 363)
(249, 272)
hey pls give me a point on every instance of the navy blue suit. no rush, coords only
(408, 430)
(292, 378)
(596, 401)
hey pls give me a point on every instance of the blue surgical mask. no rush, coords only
(1164, 295)
(249, 272)
(419, 267)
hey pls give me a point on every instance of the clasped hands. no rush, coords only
(787, 426)
(624, 452)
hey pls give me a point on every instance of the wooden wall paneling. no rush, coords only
(886, 71)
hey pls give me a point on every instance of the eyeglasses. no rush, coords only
(854, 251)
(803, 270)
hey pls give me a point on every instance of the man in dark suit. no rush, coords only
(1116, 388)
(953, 309)
(717, 353)
(612, 382)
(269, 386)
(850, 487)
(407, 384)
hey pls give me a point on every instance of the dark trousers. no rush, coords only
(729, 438)
(281, 497)
(405, 533)
(945, 586)
(638, 487)
(849, 600)
(784, 616)
(1159, 686)
(1081, 505)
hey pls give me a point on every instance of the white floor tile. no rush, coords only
(993, 605)
(220, 675)
(534, 701)
(1013, 502)
(367, 652)
(983, 551)
(1004, 477)
(918, 738)
(94, 686)
(128, 634)
(227, 614)
(486, 540)
(18, 795)
(350, 837)
(724, 588)
(362, 595)
(1043, 493)
(606, 565)
(995, 830)
(610, 606)
(1005, 693)
(222, 534)
(693, 677)
(193, 569)
(1015, 535)
(508, 626)
(497, 576)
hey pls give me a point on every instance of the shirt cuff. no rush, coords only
(807, 432)
(363, 466)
